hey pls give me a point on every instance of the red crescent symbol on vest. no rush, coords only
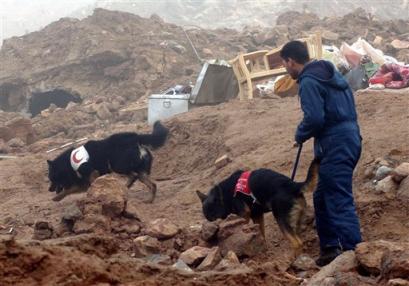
(74, 158)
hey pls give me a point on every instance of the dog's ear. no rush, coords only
(201, 196)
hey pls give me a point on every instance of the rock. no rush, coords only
(43, 230)
(159, 259)
(92, 223)
(378, 40)
(70, 106)
(131, 212)
(161, 228)
(227, 226)
(382, 172)
(330, 36)
(174, 46)
(369, 173)
(146, 245)
(178, 48)
(45, 113)
(398, 44)
(209, 230)
(347, 279)
(382, 162)
(127, 227)
(195, 255)
(207, 52)
(114, 106)
(102, 111)
(180, 265)
(16, 143)
(211, 260)
(343, 263)
(304, 263)
(52, 107)
(400, 172)
(386, 185)
(72, 213)
(18, 128)
(222, 161)
(395, 263)
(230, 261)
(398, 282)
(370, 254)
(403, 191)
(242, 238)
(106, 195)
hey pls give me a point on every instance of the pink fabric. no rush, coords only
(392, 76)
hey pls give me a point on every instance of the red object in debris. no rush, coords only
(392, 76)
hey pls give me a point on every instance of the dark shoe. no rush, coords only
(327, 255)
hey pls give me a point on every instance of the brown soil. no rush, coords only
(254, 134)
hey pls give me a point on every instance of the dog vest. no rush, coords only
(78, 157)
(242, 186)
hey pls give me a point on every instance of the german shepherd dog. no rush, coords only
(123, 153)
(271, 191)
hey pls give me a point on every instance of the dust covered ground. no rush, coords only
(254, 134)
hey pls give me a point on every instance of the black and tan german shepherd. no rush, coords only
(271, 191)
(123, 153)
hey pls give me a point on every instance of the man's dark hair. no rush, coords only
(295, 50)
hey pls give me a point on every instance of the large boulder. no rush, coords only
(108, 194)
(376, 257)
(104, 209)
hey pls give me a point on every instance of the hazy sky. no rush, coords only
(20, 16)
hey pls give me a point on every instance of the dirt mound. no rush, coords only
(108, 53)
(335, 30)
(29, 263)
(121, 57)
(238, 14)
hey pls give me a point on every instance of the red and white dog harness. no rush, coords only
(78, 157)
(242, 186)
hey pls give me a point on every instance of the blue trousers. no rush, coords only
(336, 218)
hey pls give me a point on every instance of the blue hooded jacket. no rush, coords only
(326, 100)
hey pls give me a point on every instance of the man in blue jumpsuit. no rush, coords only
(330, 117)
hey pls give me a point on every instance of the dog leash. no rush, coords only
(296, 162)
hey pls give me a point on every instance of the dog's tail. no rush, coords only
(157, 138)
(311, 181)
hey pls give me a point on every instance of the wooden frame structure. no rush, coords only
(264, 63)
